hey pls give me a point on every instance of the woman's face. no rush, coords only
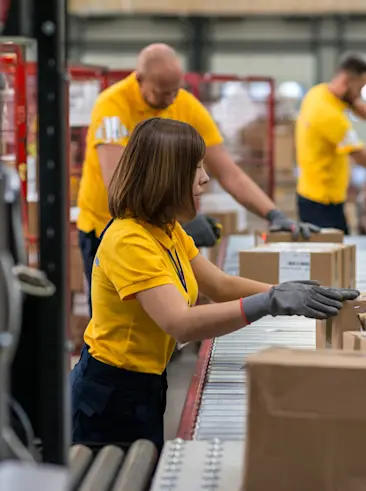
(199, 182)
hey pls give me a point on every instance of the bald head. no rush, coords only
(157, 57)
(159, 73)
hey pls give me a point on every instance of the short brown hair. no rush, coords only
(354, 64)
(154, 178)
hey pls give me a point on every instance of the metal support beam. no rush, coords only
(49, 31)
(121, 46)
(197, 59)
(18, 19)
(341, 43)
(315, 25)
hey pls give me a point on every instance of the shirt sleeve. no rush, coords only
(109, 124)
(135, 264)
(188, 243)
(337, 129)
(203, 122)
(350, 142)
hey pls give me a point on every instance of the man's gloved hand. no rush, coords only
(279, 222)
(305, 298)
(205, 231)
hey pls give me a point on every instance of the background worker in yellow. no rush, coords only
(325, 140)
(154, 89)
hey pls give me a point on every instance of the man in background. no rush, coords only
(154, 90)
(325, 141)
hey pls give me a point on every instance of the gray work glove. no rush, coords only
(205, 231)
(305, 298)
(279, 222)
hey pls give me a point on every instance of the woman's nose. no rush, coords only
(204, 178)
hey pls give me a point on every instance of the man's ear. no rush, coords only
(138, 77)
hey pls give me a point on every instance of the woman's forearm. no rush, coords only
(235, 287)
(210, 321)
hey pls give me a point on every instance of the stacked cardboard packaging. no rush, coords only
(307, 409)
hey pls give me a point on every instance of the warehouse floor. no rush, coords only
(180, 372)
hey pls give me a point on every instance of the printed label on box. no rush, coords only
(294, 266)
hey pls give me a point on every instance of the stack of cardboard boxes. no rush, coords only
(324, 258)
(306, 421)
(307, 409)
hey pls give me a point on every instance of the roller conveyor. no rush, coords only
(214, 416)
(219, 390)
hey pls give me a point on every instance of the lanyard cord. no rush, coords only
(178, 269)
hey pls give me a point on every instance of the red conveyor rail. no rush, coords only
(194, 394)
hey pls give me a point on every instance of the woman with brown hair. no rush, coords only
(146, 277)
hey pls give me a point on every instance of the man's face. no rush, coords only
(354, 85)
(159, 91)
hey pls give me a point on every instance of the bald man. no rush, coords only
(154, 90)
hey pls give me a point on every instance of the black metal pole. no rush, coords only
(197, 59)
(316, 48)
(49, 31)
(18, 21)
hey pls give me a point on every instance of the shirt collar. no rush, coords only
(335, 100)
(161, 236)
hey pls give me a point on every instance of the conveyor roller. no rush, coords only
(222, 403)
(80, 458)
(138, 467)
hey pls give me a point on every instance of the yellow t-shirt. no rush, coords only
(324, 140)
(132, 258)
(117, 112)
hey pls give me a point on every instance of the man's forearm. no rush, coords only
(359, 108)
(247, 192)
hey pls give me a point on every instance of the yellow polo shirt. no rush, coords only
(324, 140)
(116, 113)
(133, 257)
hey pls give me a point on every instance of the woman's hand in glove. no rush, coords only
(303, 298)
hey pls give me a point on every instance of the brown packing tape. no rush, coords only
(329, 333)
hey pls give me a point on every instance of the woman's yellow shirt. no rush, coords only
(131, 258)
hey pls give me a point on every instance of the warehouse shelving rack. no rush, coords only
(45, 320)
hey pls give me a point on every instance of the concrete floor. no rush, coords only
(180, 371)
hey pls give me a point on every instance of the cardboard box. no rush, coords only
(279, 262)
(33, 255)
(349, 266)
(77, 282)
(284, 144)
(228, 220)
(354, 341)
(306, 421)
(329, 333)
(78, 325)
(325, 235)
(33, 218)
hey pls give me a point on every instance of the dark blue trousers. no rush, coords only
(111, 405)
(324, 216)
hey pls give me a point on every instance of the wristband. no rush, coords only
(243, 314)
